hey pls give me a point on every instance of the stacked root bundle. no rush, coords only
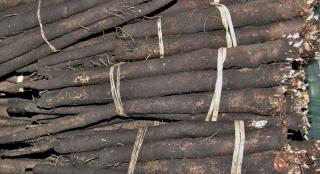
(156, 86)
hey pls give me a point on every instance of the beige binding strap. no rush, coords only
(227, 23)
(160, 36)
(222, 53)
(115, 88)
(136, 149)
(238, 147)
(52, 48)
(156, 123)
(213, 112)
(20, 80)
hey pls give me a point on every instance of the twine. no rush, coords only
(213, 112)
(227, 23)
(52, 48)
(136, 149)
(20, 80)
(238, 147)
(222, 53)
(115, 88)
(160, 36)
(156, 123)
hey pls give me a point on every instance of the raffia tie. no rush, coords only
(227, 23)
(213, 112)
(52, 48)
(136, 149)
(222, 53)
(115, 88)
(238, 147)
(160, 36)
(20, 80)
